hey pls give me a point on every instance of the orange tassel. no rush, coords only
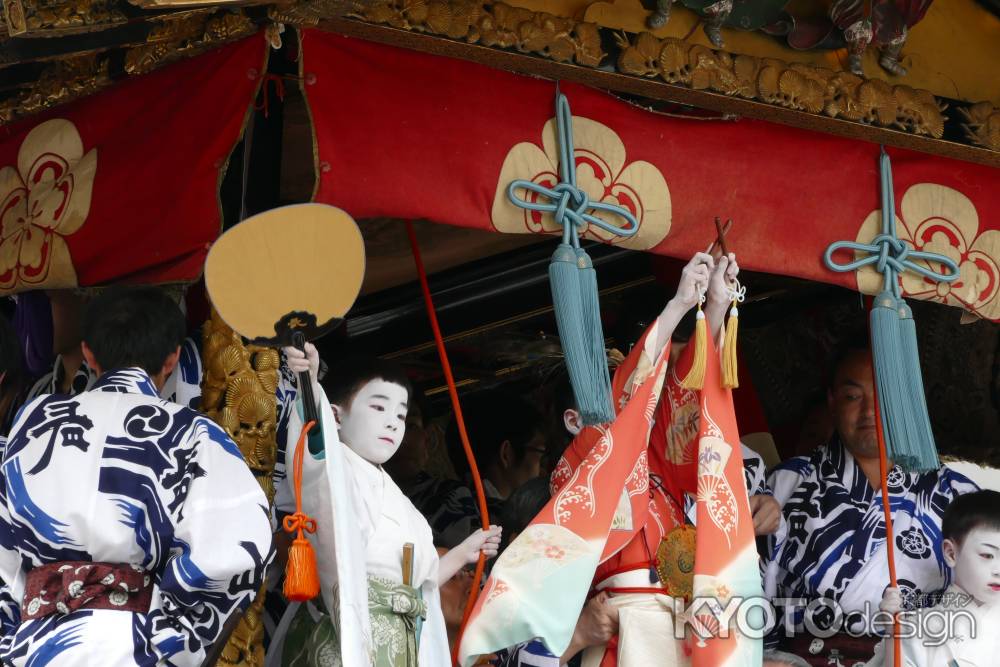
(301, 572)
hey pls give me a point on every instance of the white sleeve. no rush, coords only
(221, 547)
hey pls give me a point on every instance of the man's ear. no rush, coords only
(506, 456)
(170, 363)
(950, 551)
(88, 356)
(572, 421)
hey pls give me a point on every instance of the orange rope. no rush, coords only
(453, 393)
(883, 470)
(299, 521)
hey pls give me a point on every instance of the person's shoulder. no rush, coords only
(949, 478)
(28, 413)
(204, 430)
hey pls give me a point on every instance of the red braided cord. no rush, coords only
(453, 392)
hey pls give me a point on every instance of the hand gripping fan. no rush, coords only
(287, 276)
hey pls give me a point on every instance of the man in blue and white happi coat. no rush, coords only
(831, 555)
(130, 527)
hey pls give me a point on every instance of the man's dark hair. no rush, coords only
(491, 417)
(980, 509)
(133, 326)
(347, 378)
(852, 345)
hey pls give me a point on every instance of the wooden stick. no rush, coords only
(408, 564)
(722, 234)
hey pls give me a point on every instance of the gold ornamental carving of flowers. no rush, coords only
(601, 172)
(44, 199)
(940, 219)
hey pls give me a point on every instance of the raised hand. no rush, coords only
(694, 282)
(723, 277)
(300, 362)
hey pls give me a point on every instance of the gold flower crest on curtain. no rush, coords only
(601, 172)
(936, 218)
(43, 200)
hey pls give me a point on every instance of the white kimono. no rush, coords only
(363, 521)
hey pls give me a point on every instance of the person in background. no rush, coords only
(508, 440)
(835, 547)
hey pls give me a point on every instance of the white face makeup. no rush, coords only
(374, 423)
(976, 564)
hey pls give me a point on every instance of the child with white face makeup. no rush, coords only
(962, 629)
(364, 521)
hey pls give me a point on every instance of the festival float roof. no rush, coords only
(755, 106)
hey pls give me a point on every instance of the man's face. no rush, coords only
(530, 465)
(374, 424)
(976, 564)
(852, 404)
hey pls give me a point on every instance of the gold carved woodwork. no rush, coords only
(800, 87)
(183, 37)
(52, 18)
(60, 82)
(169, 4)
(238, 392)
(981, 123)
(308, 12)
(492, 24)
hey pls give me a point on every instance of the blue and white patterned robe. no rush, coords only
(117, 474)
(835, 542)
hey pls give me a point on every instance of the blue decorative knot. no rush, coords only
(568, 204)
(891, 255)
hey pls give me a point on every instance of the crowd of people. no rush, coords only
(131, 531)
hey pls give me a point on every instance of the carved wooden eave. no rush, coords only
(64, 57)
(670, 70)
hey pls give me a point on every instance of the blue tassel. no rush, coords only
(564, 277)
(924, 449)
(889, 377)
(574, 281)
(597, 409)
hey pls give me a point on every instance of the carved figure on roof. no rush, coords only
(857, 23)
(887, 26)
